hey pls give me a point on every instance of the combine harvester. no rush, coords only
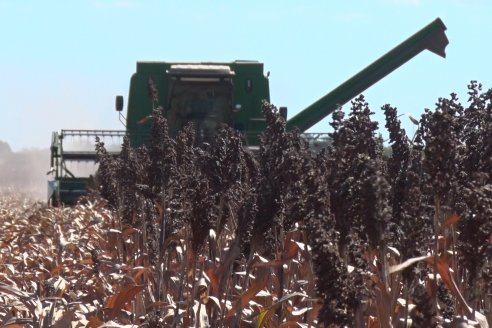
(210, 94)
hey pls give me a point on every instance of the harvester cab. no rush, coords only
(212, 94)
(201, 94)
(207, 94)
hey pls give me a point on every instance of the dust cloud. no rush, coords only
(24, 172)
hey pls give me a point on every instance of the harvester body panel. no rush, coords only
(206, 94)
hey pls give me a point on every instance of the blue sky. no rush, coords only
(62, 62)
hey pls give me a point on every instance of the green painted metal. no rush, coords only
(431, 37)
(213, 93)
(69, 148)
(70, 189)
(249, 87)
(249, 120)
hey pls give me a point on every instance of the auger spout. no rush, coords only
(431, 37)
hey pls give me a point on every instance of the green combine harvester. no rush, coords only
(211, 94)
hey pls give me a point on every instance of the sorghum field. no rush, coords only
(366, 233)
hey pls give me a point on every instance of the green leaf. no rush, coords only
(262, 317)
